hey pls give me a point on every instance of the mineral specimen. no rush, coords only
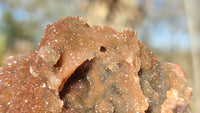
(83, 69)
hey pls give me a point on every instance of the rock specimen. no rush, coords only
(83, 69)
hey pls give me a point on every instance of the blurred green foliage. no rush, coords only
(3, 41)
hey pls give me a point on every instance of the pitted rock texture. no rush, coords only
(83, 69)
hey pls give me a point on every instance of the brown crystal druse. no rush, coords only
(83, 69)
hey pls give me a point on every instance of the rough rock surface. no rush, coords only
(83, 69)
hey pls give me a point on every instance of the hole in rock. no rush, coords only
(77, 79)
(119, 64)
(59, 62)
(103, 49)
(87, 25)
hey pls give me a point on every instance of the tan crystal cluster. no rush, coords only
(83, 69)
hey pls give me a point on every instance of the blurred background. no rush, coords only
(170, 28)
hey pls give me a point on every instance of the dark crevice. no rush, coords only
(140, 73)
(103, 49)
(148, 110)
(141, 80)
(59, 62)
(80, 74)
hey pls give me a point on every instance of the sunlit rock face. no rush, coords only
(83, 69)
